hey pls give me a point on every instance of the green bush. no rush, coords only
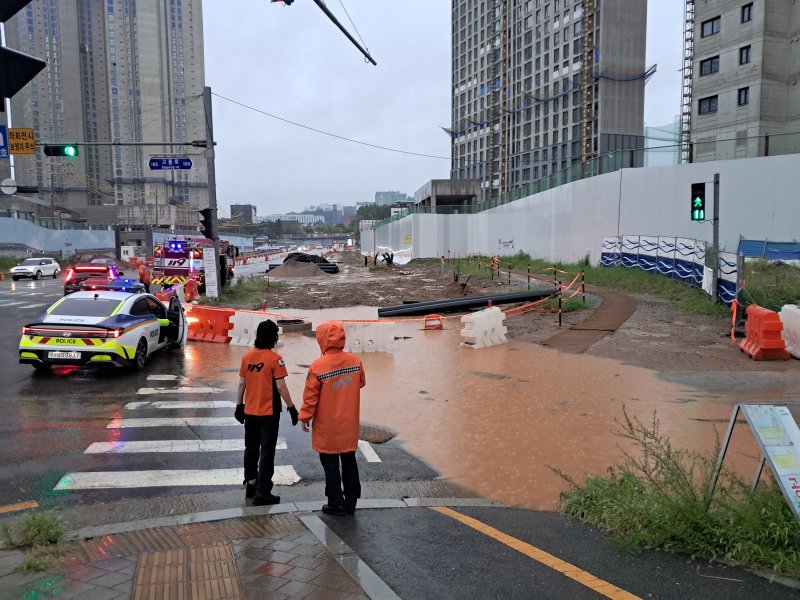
(36, 529)
(658, 497)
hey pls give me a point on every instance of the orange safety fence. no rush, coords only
(207, 324)
(763, 340)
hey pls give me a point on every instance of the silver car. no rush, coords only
(36, 268)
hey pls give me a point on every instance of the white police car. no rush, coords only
(103, 328)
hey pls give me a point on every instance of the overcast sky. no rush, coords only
(294, 63)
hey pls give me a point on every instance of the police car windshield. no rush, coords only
(85, 307)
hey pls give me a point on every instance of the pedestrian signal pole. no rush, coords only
(715, 243)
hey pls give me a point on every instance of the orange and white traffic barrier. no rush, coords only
(207, 324)
(368, 336)
(433, 322)
(763, 339)
(790, 317)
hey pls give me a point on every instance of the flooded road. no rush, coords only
(496, 420)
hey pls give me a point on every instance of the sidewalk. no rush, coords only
(282, 551)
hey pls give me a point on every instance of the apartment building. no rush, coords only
(541, 85)
(119, 71)
(744, 77)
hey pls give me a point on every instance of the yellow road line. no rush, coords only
(598, 585)
(18, 506)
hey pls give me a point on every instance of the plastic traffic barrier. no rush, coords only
(208, 324)
(368, 337)
(433, 322)
(790, 317)
(244, 326)
(484, 328)
(763, 339)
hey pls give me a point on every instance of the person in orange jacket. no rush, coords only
(144, 276)
(331, 403)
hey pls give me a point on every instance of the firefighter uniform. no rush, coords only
(331, 402)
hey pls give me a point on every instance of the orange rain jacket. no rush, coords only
(332, 395)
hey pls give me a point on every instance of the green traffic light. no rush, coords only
(70, 151)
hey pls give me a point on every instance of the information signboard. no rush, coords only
(210, 273)
(778, 437)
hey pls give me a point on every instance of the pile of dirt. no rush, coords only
(293, 268)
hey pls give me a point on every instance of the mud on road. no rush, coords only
(657, 336)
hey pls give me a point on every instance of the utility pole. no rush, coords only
(715, 243)
(212, 183)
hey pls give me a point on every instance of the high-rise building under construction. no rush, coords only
(117, 71)
(540, 86)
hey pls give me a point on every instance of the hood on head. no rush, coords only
(330, 336)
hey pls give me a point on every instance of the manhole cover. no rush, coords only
(374, 434)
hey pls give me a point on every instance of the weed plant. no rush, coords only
(35, 529)
(658, 498)
(32, 564)
(247, 293)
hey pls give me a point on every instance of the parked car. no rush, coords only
(103, 328)
(36, 268)
(77, 275)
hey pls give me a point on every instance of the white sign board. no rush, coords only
(210, 270)
(779, 438)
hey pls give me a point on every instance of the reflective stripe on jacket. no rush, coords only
(332, 394)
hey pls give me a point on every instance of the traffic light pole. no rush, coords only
(212, 179)
(715, 243)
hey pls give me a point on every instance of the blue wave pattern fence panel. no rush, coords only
(682, 259)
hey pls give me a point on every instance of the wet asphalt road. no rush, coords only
(52, 419)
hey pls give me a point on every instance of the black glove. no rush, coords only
(292, 413)
(239, 413)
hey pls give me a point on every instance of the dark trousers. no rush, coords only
(334, 479)
(260, 439)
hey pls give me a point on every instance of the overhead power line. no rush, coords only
(333, 135)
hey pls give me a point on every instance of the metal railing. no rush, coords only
(728, 149)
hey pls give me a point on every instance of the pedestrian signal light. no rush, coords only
(68, 150)
(698, 202)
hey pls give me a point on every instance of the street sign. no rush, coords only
(170, 164)
(21, 140)
(8, 186)
(3, 142)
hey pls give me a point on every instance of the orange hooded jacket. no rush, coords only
(332, 395)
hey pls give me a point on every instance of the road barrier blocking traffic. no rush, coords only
(763, 339)
(368, 337)
(484, 328)
(208, 324)
(244, 326)
(790, 317)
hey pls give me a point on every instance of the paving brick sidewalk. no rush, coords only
(265, 557)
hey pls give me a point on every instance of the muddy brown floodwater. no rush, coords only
(494, 420)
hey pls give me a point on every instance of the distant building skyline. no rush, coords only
(390, 197)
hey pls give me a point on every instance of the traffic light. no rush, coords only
(207, 224)
(68, 150)
(698, 202)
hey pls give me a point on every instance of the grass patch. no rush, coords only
(32, 564)
(771, 284)
(247, 293)
(657, 498)
(36, 529)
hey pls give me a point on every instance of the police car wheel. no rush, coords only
(140, 358)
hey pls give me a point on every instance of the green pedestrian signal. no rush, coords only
(698, 202)
(68, 150)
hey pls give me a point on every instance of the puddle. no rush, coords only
(495, 420)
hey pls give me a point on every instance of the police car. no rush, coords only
(103, 328)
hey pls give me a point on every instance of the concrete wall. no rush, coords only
(757, 201)
(68, 241)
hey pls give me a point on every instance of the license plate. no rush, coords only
(68, 355)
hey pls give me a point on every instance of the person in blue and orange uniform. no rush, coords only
(332, 403)
(258, 406)
(144, 276)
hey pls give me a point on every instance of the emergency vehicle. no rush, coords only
(177, 261)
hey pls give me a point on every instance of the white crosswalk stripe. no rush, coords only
(221, 445)
(284, 475)
(179, 390)
(32, 305)
(368, 452)
(174, 422)
(171, 404)
(14, 303)
(163, 377)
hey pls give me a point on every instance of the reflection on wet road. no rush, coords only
(495, 420)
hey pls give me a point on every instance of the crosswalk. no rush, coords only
(215, 449)
(24, 295)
